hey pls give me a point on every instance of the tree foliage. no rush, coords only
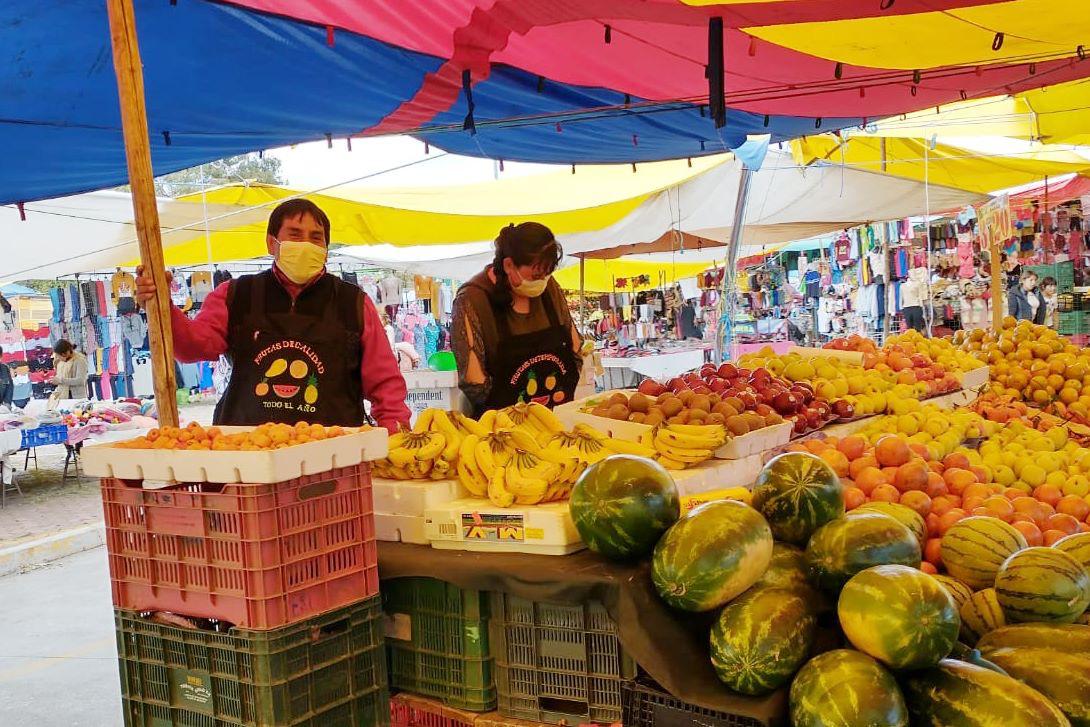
(232, 170)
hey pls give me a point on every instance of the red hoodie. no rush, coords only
(204, 338)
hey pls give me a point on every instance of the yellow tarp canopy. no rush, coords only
(593, 198)
(1057, 114)
(601, 274)
(1039, 30)
(948, 166)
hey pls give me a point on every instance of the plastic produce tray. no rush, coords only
(277, 465)
(646, 706)
(410, 710)
(437, 642)
(44, 435)
(323, 671)
(557, 663)
(257, 556)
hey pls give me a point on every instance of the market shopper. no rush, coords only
(913, 293)
(512, 334)
(304, 345)
(1050, 300)
(1024, 300)
(71, 372)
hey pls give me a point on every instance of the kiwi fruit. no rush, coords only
(737, 425)
(618, 412)
(697, 416)
(755, 421)
(639, 403)
(686, 396)
(618, 398)
(672, 407)
(602, 410)
(715, 418)
(702, 402)
(723, 409)
(637, 416)
(654, 417)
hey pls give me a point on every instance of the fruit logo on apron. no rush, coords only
(291, 377)
(536, 380)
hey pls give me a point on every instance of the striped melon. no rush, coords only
(1063, 678)
(957, 694)
(974, 548)
(797, 493)
(1077, 546)
(901, 616)
(855, 542)
(761, 639)
(787, 569)
(960, 592)
(1072, 638)
(845, 688)
(904, 515)
(711, 555)
(1043, 584)
(981, 615)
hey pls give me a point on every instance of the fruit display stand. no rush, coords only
(643, 624)
(621, 372)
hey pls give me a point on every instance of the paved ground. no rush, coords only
(49, 505)
(58, 662)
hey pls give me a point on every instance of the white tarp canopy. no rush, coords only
(95, 231)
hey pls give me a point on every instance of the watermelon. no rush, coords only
(901, 616)
(1072, 638)
(974, 548)
(711, 555)
(961, 652)
(797, 493)
(903, 514)
(1077, 546)
(966, 695)
(855, 542)
(1042, 584)
(960, 592)
(761, 639)
(845, 688)
(787, 569)
(1063, 678)
(623, 504)
(981, 615)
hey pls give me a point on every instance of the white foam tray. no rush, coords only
(737, 448)
(474, 524)
(392, 528)
(414, 497)
(278, 465)
(974, 379)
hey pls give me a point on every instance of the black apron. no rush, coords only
(538, 366)
(293, 361)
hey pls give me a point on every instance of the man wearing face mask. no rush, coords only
(304, 344)
(512, 333)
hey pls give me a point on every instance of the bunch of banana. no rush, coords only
(681, 445)
(534, 418)
(508, 468)
(414, 456)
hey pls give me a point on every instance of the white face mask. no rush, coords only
(531, 288)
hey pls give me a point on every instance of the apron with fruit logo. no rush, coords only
(538, 366)
(295, 360)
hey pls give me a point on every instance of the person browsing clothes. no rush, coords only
(303, 344)
(512, 334)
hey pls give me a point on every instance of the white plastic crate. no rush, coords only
(414, 497)
(277, 465)
(474, 524)
(429, 389)
(400, 528)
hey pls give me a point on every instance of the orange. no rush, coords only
(836, 460)
(892, 451)
(912, 475)
(852, 446)
(869, 478)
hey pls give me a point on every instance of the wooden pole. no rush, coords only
(134, 124)
(997, 285)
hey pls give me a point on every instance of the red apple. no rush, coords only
(717, 385)
(786, 403)
(708, 370)
(728, 370)
(843, 409)
(650, 387)
(744, 373)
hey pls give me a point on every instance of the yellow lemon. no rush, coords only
(1033, 475)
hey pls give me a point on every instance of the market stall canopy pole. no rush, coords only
(134, 124)
(724, 334)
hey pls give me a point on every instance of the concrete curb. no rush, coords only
(52, 547)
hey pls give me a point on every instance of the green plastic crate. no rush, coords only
(557, 663)
(437, 642)
(1073, 322)
(325, 670)
(1063, 273)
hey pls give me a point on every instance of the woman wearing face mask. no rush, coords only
(304, 345)
(512, 333)
(1024, 301)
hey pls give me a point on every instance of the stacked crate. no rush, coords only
(272, 585)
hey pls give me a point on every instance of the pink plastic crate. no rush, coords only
(259, 556)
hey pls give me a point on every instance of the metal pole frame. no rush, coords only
(724, 333)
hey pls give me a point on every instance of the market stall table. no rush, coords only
(626, 371)
(671, 647)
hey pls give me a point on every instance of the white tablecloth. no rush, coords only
(659, 366)
(10, 441)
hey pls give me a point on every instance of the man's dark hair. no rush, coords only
(294, 208)
(63, 347)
